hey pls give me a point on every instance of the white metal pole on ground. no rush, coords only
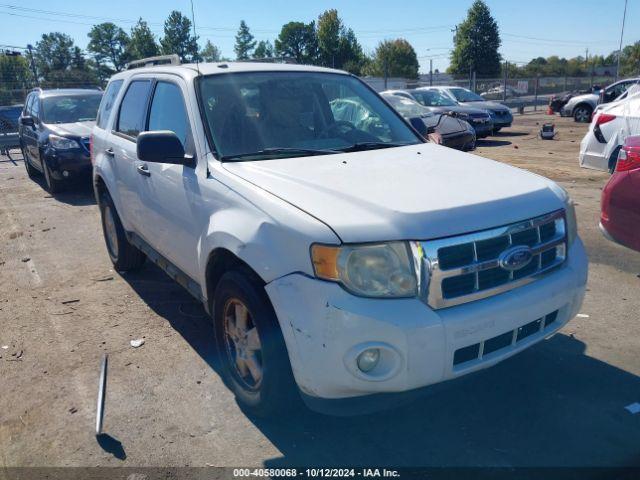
(431, 72)
(624, 16)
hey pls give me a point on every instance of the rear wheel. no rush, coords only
(255, 363)
(124, 256)
(582, 113)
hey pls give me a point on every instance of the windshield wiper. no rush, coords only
(278, 151)
(360, 146)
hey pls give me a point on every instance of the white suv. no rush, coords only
(353, 265)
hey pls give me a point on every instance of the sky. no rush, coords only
(528, 28)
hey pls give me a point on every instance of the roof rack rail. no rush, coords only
(172, 59)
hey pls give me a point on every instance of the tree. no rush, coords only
(142, 43)
(178, 38)
(630, 60)
(338, 46)
(264, 49)
(109, 43)
(54, 51)
(245, 42)
(210, 53)
(476, 43)
(15, 76)
(394, 58)
(298, 40)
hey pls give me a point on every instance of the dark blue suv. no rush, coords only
(55, 126)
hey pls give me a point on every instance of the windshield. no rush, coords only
(407, 107)
(433, 98)
(278, 114)
(70, 108)
(464, 95)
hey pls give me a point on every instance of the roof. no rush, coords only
(70, 91)
(190, 70)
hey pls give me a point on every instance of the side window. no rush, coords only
(108, 100)
(133, 108)
(27, 104)
(168, 111)
(35, 108)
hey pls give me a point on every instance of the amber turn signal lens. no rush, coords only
(325, 261)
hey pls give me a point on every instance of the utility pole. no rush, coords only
(32, 63)
(504, 81)
(624, 16)
(430, 72)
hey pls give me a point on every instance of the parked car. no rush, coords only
(581, 107)
(9, 128)
(496, 93)
(453, 132)
(500, 114)
(609, 128)
(54, 134)
(620, 215)
(437, 102)
(353, 267)
(556, 102)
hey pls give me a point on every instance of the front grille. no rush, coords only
(470, 267)
(504, 341)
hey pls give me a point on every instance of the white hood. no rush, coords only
(417, 192)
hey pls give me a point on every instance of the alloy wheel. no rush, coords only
(243, 347)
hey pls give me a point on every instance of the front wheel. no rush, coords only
(255, 363)
(31, 171)
(53, 185)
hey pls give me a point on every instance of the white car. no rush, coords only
(610, 126)
(350, 265)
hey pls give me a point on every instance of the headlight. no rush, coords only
(369, 270)
(62, 143)
(570, 216)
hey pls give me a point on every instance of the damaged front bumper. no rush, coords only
(325, 328)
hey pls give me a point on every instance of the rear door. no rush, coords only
(129, 122)
(169, 194)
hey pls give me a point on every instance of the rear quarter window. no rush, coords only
(107, 103)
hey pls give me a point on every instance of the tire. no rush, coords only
(124, 256)
(31, 170)
(259, 373)
(53, 186)
(582, 113)
(496, 130)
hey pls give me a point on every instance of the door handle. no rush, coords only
(109, 152)
(143, 170)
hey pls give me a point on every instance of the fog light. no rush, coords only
(368, 359)
(65, 173)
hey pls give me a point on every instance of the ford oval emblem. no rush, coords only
(515, 258)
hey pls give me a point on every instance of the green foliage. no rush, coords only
(395, 58)
(210, 53)
(109, 43)
(54, 52)
(264, 49)
(338, 46)
(14, 75)
(142, 43)
(630, 60)
(299, 41)
(476, 43)
(178, 38)
(245, 42)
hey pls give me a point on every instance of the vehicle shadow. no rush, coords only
(551, 405)
(78, 193)
(502, 133)
(485, 142)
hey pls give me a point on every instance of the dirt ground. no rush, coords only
(62, 306)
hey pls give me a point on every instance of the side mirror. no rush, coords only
(420, 126)
(27, 121)
(161, 146)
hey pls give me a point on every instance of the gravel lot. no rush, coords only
(62, 306)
